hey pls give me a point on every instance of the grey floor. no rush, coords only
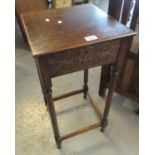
(34, 134)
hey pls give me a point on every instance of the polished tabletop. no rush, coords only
(71, 27)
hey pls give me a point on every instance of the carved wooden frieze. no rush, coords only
(82, 58)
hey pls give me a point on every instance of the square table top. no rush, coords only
(61, 29)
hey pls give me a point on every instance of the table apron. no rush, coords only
(81, 58)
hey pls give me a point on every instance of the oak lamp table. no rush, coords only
(71, 39)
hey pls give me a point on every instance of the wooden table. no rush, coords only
(71, 39)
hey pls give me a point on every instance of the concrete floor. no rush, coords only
(34, 134)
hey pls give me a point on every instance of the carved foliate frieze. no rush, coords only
(85, 57)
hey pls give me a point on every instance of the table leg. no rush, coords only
(109, 99)
(85, 86)
(104, 79)
(51, 109)
(124, 47)
(46, 85)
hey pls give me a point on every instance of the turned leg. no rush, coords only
(85, 86)
(120, 61)
(51, 109)
(46, 85)
(45, 99)
(104, 79)
(109, 99)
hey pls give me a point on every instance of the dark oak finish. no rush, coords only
(51, 37)
(114, 8)
(85, 86)
(75, 133)
(23, 6)
(60, 48)
(82, 58)
(68, 94)
(126, 11)
(128, 81)
(115, 74)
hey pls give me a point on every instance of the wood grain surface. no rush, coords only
(77, 22)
